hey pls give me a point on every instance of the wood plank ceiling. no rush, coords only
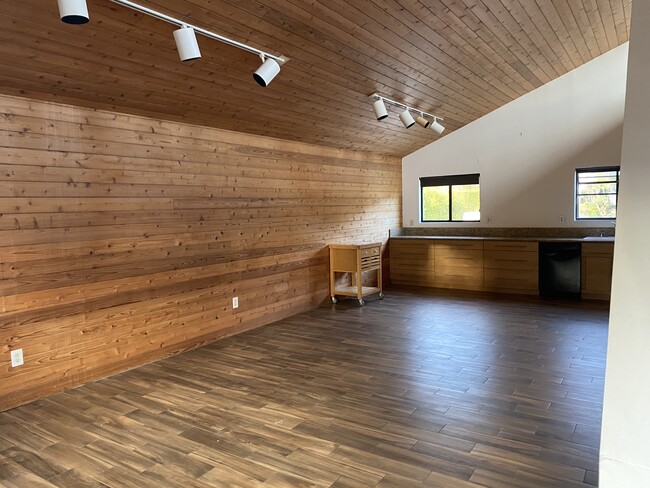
(457, 58)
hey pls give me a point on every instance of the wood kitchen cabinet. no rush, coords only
(596, 270)
(511, 266)
(437, 263)
(459, 264)
(466, 264)
(412, 262)
(354, 260)
(491, 265)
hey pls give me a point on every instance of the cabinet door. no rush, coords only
(459, 254)
(411, 262)
(512, 280)
(459, 264)
(511, 266)
(596, 273)
(597, 276)
(461, 277)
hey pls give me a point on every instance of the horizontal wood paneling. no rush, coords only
(123, 239)
(459, 59)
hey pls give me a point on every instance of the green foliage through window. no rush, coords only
(450, 198)
(597, 193)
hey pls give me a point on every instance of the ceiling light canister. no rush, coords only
(422, 121)
(73, 11)
(407, 118)
(437, 127)
(265, 73)
(380, 109)
(186, 43)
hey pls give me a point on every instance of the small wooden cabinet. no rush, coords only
(354, 260)
(596, 270)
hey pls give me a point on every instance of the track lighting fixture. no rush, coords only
(265, 73)
(76, 12)
(407, 119)
(73, 11)
(186, 43)
(423, 118)
(437, 128)
(421, 121)
(380, 109)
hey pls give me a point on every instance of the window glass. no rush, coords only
(435, 203)
(466, 202)
(454, 198)
(597, 193)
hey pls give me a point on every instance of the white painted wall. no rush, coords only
(625, 443)
(527, 151)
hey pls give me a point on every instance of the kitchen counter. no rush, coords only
(523, 239)
(503, 264)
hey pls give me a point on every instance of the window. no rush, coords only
(597, 193)
(450, 198)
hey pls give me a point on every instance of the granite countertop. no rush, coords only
(534, 239)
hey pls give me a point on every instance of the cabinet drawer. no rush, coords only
(511, 246)
(412, 277)
(510, 260)
(449, 275)
(406, 263)
(511, 279)
(411, 249)
(465, 258)
(597, 248)
(370, 251)
(457, 244)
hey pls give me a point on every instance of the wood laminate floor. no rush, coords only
(418, 390)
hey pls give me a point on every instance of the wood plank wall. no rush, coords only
(123, 239)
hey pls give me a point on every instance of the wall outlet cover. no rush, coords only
(235, 302)
(17, 358)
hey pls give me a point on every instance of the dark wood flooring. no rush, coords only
(418, 390)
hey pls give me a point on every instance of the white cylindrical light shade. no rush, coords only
(380, 109)
(407, 119)
(437, 128)
(265, 73)
(73, 11)
(186, 43)
(422, 121)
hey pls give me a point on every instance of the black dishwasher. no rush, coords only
(559, 269)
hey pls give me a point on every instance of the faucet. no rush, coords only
(613, 222)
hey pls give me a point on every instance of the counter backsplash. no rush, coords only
(569, 232)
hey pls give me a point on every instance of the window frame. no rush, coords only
(576, 186)
(450, 181)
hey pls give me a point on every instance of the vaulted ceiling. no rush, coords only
(459, 59)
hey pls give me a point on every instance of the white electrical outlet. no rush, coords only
(235, 302)
(562, 219)
(17, 358)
